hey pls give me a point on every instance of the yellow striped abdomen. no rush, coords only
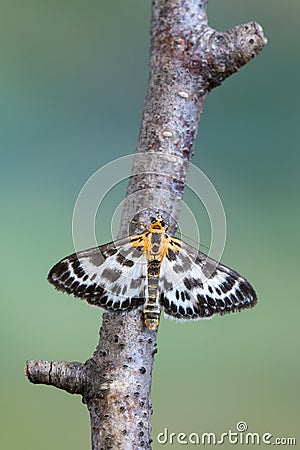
(151, 308)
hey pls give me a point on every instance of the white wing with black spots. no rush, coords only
(194, 286)
(112, 276)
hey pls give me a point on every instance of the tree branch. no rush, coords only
(188, 59)
(69, 376)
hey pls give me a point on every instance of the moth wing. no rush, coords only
(194, 286)
(112, 276)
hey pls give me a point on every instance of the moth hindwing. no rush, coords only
(153, 271)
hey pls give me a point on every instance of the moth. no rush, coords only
(153, 271)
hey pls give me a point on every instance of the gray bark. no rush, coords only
(188, 59)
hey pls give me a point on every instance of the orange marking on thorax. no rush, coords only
(152, 249)
(156, 242)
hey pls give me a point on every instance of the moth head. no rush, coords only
(157, 222)
(161, 221)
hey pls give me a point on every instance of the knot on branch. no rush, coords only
(217, 55)
(208, 55)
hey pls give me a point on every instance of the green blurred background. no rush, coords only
(73, 77)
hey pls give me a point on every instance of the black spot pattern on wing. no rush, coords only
(121, 259)
(94, 294)
(69, 276)
(192, 300)
(171, 255)
(172, 308)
